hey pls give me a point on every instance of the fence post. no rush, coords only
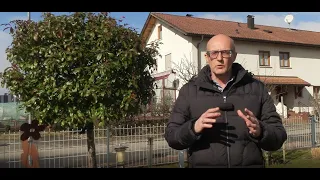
(284, 152)
(313, 131)
(108, 146)
(181, 159)
(150, 143)
(120, 156)
(268, 158)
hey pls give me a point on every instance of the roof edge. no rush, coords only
(258, 40)
(153, 14)
(171, 25)
(145, 25)
(305, 83)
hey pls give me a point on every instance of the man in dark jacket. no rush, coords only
(223, 116)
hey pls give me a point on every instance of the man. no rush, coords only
(224, 117)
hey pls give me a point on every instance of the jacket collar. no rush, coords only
(204, 77)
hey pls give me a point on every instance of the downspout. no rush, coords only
(199, 54)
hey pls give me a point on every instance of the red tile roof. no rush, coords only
(286, 80)
(209, 27)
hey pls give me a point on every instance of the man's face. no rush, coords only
(220, 55)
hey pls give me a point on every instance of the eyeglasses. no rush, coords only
(224, 53)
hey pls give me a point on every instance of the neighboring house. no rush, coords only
(11, 115)
(6, 98)
(287, 60)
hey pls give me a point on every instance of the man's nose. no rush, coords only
(219, 56)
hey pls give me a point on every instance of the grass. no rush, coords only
(174, 165)
(304, 158)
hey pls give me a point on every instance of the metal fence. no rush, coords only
(302, 133)
(146, 145)
(68, 149)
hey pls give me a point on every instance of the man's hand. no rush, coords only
(206, 120)
(251, 121)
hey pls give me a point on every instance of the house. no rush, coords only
(287, 60)
(5, 98)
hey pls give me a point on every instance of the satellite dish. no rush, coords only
(288, 19)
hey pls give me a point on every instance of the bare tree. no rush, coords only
(315, 103)
(185, 69)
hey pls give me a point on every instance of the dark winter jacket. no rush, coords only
(228, 143)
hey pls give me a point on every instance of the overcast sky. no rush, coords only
(302, 20)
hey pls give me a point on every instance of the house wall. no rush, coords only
(202, 46)
(168, 93)
(173, 42)
(290, 103)
(304, 63)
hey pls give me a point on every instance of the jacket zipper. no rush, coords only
(226, 118)
(227, 131)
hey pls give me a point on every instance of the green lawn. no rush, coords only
(299, 164)
(298, 159)
(294, 159)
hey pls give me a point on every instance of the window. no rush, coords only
(160, 32)
(284, 59)
(298, 91)
(264, 58)
(168, 61)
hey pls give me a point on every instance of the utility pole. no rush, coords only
(29, 121)
(29, 18)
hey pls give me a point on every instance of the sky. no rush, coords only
(302, 20)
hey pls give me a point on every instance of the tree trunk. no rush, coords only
(92, 161)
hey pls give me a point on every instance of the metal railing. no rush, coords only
(302, 133)
(69, 148)
(145, 145)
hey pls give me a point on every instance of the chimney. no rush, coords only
(250, 21)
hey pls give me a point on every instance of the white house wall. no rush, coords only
(304, 63)
(173, 42)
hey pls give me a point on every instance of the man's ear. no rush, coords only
(206, 57)
(235, 56)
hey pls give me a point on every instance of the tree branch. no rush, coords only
(185, 69)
